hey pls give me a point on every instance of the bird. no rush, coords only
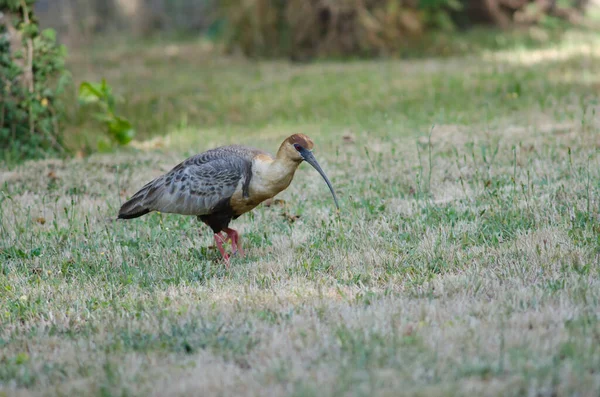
(221, 184)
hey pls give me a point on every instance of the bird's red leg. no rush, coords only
(234, 236)
(219, 240)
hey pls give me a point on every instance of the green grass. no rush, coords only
(465, 259)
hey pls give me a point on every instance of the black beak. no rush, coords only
(310, 159)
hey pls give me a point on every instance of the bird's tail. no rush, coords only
(136, 205)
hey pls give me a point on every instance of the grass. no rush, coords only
(464, 260)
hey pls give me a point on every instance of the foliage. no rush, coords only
(299, 29)
(32, 77)
(302, 29)
(436, 13)
(101, 94)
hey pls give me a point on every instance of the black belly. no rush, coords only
(219, 219)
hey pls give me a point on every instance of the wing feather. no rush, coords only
(197, 189)
(196, 186)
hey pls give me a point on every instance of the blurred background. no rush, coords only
(302, 28)
(80, 21)
(177, 65)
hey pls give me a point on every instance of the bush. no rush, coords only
(306, 28)
(302, 29)
(101, 95)
(32, 76)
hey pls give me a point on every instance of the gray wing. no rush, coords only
(196, 186)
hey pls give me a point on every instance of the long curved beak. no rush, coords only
(310, 159)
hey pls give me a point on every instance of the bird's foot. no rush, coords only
(219, 240)
(234, 237)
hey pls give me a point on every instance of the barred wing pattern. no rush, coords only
(196, 186)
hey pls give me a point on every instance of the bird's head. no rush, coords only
(292, 147)
(298, 148)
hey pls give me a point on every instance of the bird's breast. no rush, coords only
(267, 179)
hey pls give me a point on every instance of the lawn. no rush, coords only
(464, 260)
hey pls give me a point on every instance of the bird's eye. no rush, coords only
(297, 147)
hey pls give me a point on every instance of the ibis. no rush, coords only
(223, 183)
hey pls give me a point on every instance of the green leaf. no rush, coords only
(90, 92)
(30, 30)
(121, 130)
(49, 34)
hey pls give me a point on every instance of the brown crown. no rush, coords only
(301, 140)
